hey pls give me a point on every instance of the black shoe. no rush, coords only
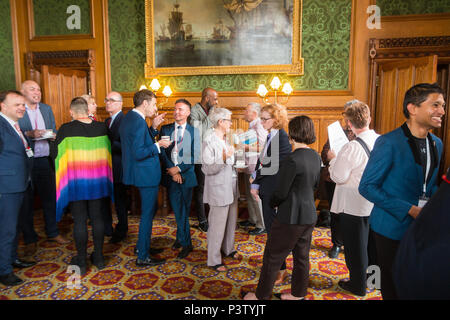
(98, 261)
(257, 231)
(152, 251)
(149, 262)
(116, 238)
(10, 280)
(203, 226)
(23, 264)
(80, 262)
(176, 245)
(334, 252)
(246, 224)
(185, 252)
(345, 285)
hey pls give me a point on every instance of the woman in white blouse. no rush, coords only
(221, 190)
(346, 170)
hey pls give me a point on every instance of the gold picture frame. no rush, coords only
(296, 67)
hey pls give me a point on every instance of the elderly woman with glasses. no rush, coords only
(274, 119)
(221, 190)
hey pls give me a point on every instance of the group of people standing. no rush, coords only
(381, 182)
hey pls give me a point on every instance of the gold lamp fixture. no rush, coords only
(155, 86)
(277, 87)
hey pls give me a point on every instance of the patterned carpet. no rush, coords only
(187, 279)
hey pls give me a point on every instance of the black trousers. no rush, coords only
(355, 232)
(80, 211)
(120, 204)
(335, 224)
(269, 215)
(44, 185)
(198, 194)
(283, 239)
(386, 252)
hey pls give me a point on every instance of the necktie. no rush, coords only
(108, 122)
(25, 143)
(179, 134)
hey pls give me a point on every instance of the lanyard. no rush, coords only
(427, 170)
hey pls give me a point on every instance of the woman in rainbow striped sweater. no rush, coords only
(83, 178)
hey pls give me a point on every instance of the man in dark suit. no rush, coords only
(401, 175)
(141, 166)
(16, 158)
(179, 174)
(114, 103)
(423, 258)
(37, 124)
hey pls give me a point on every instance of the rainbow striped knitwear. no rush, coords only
(83, 164)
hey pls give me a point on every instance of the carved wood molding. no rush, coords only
(390, 48)
(83, 59)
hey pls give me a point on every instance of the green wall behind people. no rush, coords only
(7, 77)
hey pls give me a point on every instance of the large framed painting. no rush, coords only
(189, 37)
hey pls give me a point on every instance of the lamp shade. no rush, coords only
(143, 87)
(287, 88)
(262, 91)
(155, 85)
(276, 83)
(167, 91)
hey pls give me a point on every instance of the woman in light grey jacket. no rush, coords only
(221, 190)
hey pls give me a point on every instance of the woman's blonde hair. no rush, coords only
(277, 112)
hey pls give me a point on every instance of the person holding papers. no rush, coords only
(346, 170)
(336, 236)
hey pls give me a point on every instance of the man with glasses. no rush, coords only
(114, 103)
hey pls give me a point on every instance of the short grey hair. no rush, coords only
(351, 102)
(255, 106)
(219, 114)
(87, 97)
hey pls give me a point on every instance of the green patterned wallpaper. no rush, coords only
(7, 76)
(405, 7)
(50, 17)
(326, 50)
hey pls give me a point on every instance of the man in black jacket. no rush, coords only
(114, 103)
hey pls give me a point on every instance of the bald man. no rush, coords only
(199, 120)
(39, 119)
(114, 104)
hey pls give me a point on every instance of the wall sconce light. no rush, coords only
(155, 86)
(275, 84)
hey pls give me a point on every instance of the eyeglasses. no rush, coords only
(111, 100)
(226, 120)
(265, 119)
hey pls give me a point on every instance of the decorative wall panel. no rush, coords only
(7, 76)
(405, 7)
(50, 17)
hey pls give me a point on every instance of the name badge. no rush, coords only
(29, 152)
(423, 201)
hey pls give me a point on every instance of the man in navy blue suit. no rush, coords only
(178, 171)
(401, 175)
(16, 158)
(37, 120)
(114, 103)
(141, 166)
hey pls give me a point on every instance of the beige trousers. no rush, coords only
(222, 225)
(255, 214)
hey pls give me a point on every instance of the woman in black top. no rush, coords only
(296, 214)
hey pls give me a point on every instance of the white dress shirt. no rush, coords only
(346, 170)
(143, 117)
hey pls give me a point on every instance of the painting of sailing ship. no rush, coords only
(201, 33)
